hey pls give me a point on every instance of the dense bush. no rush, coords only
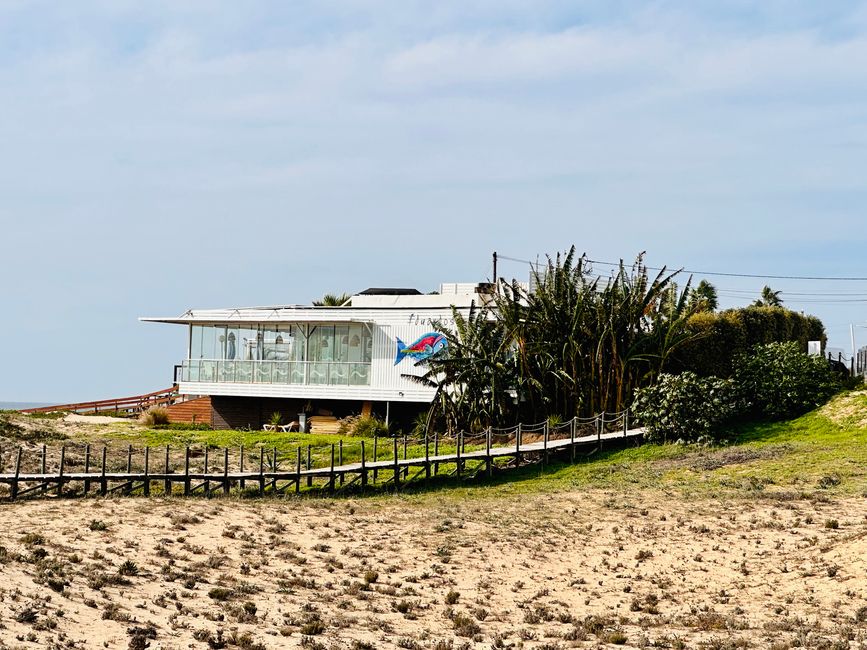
(370, 426)
(779, 381)
(687, 407)
(717, 339)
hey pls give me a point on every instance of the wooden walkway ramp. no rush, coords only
(134, 404)
(190, 470)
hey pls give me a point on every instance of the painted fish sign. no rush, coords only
(427, 346)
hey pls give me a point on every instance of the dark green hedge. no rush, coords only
(720, 337)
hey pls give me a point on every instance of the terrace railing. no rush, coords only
(331, 373)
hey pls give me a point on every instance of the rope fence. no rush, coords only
(83, 468)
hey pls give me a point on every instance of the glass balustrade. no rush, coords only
(322, 373)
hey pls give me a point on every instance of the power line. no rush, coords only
(712, 273)
(748, 275)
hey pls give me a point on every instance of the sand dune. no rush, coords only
(566, 570)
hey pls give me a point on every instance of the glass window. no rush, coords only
(321, 345)
(204, 342)
(366, 344)
(248, 340)
(297, 342)
(274, 347)
(196, 342)
(355, 348)
(341, 343)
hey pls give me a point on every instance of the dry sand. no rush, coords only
(548, 571)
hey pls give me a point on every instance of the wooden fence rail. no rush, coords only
(391, 464)
(136, 403)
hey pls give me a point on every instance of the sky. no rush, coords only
(162, 156)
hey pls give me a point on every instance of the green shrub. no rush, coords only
(717, 339)
(276, 419)
(687, 407)
(780, 381)
(154, 415)
(370, 426)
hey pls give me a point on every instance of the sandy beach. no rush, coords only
(572, 569)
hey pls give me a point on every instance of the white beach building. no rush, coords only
(244, 364)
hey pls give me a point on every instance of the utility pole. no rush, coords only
(494, 278)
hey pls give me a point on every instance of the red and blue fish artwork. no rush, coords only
(427, 346)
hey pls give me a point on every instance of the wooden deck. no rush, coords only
(266, 475)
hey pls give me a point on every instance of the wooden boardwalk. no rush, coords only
(488, 452)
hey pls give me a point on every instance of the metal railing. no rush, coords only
(329, 373)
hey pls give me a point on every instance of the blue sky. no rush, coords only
(163, 155)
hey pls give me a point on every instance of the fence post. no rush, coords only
(625, 422)
(363, 467)
(103, 484)
(426, 457)
(44, 471)
(187, 471)
(14, 489)
(309, 467)
(545, 431)
(128, 489)
(167, 486)
(147, 479)
(207, 482)
(340, 459)
(86, 468)
(460, 442)
(396, 467)
(298, 470)
(490, 459)
(261, 471)
(60, 474)
(331, 480)
(436, 452)
(572, 437)
(598, 433)
(225, 470)
(243, 483)
(518, 445)
(274, 481)
(406, 467)
(375, 457)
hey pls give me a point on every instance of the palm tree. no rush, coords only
(769, 298)
(704, 297)
(577, 344)
(332, 300)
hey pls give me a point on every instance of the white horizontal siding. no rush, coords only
(362, 393)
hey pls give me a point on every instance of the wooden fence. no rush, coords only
(134, 404)
(83, 470)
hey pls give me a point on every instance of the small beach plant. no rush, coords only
(155, 415)
(276, 419)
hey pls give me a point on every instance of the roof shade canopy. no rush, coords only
(388, 291)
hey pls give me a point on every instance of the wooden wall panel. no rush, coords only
(194, 410)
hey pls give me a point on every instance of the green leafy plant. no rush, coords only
(370, 426)
(780, 381)
(276, 419)
(687, 407)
